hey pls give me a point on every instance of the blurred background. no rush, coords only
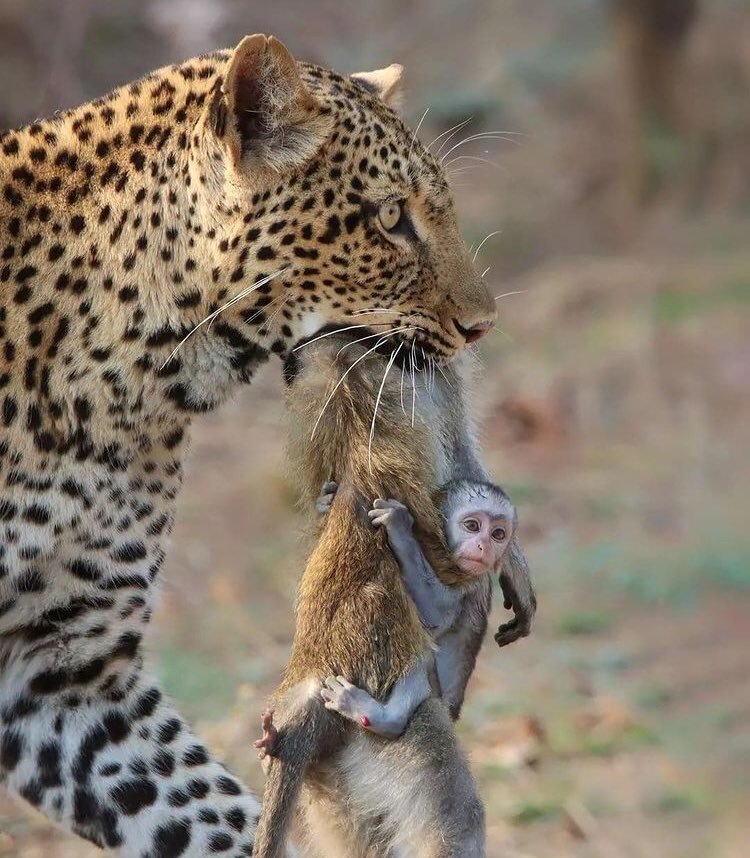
(615, 398)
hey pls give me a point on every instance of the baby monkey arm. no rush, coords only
(437, 605)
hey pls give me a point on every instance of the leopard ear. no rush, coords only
(275, 116)
(385, 83)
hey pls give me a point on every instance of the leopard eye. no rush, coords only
(389, 215)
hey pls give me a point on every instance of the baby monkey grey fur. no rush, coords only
(447, 612)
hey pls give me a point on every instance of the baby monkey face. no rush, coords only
(479, 538)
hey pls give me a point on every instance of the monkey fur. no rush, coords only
(354, 617)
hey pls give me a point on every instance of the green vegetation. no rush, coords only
(530, 812)
(679, 800)
(584, 623)
(674, 306)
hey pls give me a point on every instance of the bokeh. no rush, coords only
(615, 184)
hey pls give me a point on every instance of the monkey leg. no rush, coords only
(330, 830)
(419, 789)
(303, 731)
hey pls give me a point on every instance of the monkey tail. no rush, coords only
(300, 742)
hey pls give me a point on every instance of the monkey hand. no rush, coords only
(266, 745)
(512, 631)
(393, 516)
(524, 610)
(325, 498)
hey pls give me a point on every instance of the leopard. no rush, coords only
(157, 246)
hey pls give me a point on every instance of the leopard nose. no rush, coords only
(476, 331)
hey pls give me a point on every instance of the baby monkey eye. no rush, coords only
(389, 215)
(499, 534)
(472, 525)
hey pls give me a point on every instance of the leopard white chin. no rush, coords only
(312, 323)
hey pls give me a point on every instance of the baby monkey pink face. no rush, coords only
(479, 535)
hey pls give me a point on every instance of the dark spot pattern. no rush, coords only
(118, 236)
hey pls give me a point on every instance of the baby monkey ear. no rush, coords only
(385, 83)
(518, 595)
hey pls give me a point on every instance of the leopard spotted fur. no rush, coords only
(239, 187)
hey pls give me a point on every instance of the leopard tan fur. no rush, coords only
(289, 198)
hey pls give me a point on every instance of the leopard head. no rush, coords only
(328, 211)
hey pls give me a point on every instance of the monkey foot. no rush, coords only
(266, 745)
(339, 695)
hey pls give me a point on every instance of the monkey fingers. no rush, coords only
(266, 745)
(379, 517)
(509, 632)
(392, 514)
(325, 498)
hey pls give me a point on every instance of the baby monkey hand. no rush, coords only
(393, 516)
(325, 498)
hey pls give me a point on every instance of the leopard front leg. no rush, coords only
(126, 773)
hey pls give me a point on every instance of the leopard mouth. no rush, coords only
(396, 345)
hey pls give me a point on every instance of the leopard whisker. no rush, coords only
(447, 380)
(244, 293)
(452, 131)
(394, 354)
(370, 336)
(498, 330)
(414, 137)
(344, 375)
(482, 242)
(413, 386)
(264, 307)
(485, 135)
(333, 333)
(476, 158)
(375, 311)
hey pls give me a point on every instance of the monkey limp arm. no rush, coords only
(437, 604)
(518, 594)
(459, 647)
(387, 719)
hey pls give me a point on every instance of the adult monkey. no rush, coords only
(354, 616)
(269, 196)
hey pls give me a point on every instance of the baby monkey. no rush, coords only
(480, 526)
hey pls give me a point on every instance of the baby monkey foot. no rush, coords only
(393, 516)
(266, 745)
(326, 496)
(353, 703)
